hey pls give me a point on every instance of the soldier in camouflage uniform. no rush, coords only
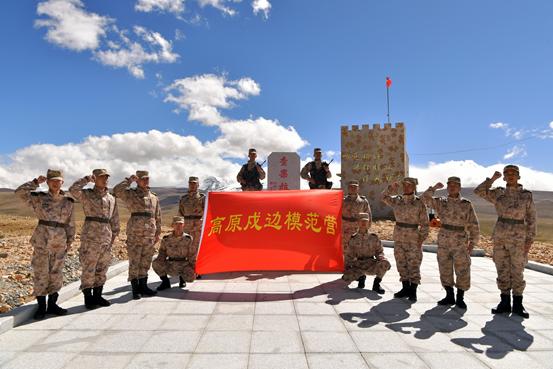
(353, 205)
(51, 239)
(143, 229)
(365, 256)
(251, 174)
(317, 172)
(176, 257)
(458, 235)
(512, 237)
(410, 231)
(101, 227)
(191, 208)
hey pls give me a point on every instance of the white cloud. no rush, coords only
(551, 125)
(498, 125)
(133, 54)
(218, 4)
(69, 25)
(261, 6)
(169, 6)
(515, 151)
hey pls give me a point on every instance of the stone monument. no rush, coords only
(284, 171)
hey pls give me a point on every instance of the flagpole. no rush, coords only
(388, 101)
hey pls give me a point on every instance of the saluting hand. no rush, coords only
(438, 186)
(133, 178)
(41, 179)
(496, 175)
(91, 178)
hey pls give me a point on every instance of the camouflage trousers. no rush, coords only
(348, 229)
(408, 257)
(510, 259)
(174, 268)
(359, 268)
(47, 263)
(95, 258)
(453, 257)
(140, 257)
(194, 228)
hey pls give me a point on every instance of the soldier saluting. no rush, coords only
(191, 208)
(51, 239)
(317, 172)
(353, 205)
(251, 174)
(513, 235)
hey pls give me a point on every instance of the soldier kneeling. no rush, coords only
(365, 256)
(176, 256)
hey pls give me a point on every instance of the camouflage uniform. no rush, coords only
(143, 227)
(352, 206)
(52, 237)
(252, 174)
(191, 208)
(459, 229)
(176, 257)
(410, 231)
(100, 229)
(365, 256)
(316, 170)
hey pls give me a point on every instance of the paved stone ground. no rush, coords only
(288, 321)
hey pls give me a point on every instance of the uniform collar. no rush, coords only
(101, 192)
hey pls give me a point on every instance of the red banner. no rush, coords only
(272, 230)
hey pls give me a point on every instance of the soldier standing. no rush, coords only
(191, 208)
(317, 172)
(353, 205)
(51, 239)
(251, 174)
(410, 231)
(513, 235)
(143, 229)
(176, 257)
(101, 227)
(454, 247)
(365, 256)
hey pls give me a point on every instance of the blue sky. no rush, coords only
(457, 68)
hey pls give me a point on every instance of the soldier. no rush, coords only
(410, 231)
(251, 174)
(101, 227)
(176, 257)
(513, 235)
(191, 208)
(51, 239)
(454, 247)
(353, 205)
(143, 229)
(317, 172)
(365, 256)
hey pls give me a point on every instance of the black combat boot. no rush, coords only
(135, 289)
(41, 311)
(182, 283)
(376, 286)
(54, 308)
(449, 298)
(165, 283)
(413, 292)
(404, 292)
(144, 289)
(89, 302)
(504, 306)
(361, 281)
(518, 308)
(98, 299)
(460, 300)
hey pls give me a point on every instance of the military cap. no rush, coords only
(364, 216)
(178, 219)
(54, 174)
(252, 150)
(193, 179)
(411, 180)
(454, 180)
(100, 172)
(353, 182)
(511, 167)
(142, 174)
(317, 149)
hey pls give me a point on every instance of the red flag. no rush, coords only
(388, 82)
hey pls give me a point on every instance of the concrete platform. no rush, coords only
(288, 321)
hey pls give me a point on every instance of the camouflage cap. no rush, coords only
(142, 174)
(178, 219)
(454, 180)
(54, 174)
(317, 149)
(353, 182)
(411, 180)
(193, 179)
(364, 216)
(511, 167)
(100, 172)
(252, 150)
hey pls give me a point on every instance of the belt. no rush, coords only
(142, 214)
(193, 216)
(96, 219)
(510, 221)
(407, 225)
(50, 223)
(348, 219)
(176, 259)
(453, 228)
